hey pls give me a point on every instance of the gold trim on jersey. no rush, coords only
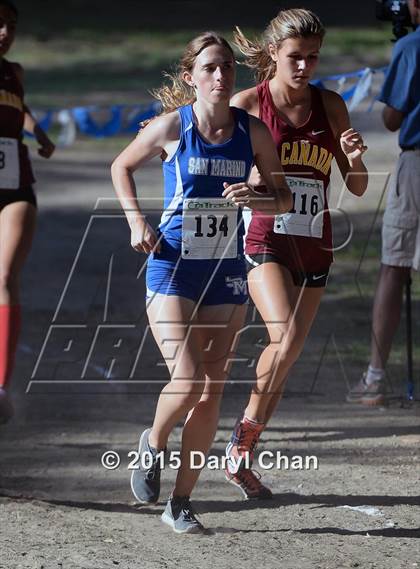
(11, 100)
(303, 153)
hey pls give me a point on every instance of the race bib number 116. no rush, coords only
(306, 216)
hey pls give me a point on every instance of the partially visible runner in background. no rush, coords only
(17, 198)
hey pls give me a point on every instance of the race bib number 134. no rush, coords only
(209, 229)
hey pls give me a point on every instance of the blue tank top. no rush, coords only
(197, 220)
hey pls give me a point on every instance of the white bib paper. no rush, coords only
(9, 164)
(209, 227)
(306, 218)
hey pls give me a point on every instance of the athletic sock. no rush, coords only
(252, 422)
(10, 321)
(374, 374)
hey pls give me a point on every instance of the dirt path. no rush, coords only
(59, 508)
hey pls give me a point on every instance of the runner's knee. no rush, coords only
(188, 395)
(287, 351)
(8, 282)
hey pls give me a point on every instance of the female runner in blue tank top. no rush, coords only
(196, 279)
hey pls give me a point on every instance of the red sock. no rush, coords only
(9, 335)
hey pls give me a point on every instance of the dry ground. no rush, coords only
(61, 509)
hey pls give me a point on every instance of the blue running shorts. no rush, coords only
(211, 282)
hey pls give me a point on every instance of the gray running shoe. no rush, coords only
(6, 407)
(145, 482)
(371, 395)
(180, 516)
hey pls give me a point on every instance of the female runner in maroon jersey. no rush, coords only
(290, 255)
(17, 198)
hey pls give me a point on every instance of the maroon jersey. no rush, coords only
(302, 238)
(17, 169)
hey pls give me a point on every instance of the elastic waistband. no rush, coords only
(409, 148)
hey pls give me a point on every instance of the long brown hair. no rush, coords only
(177, 92)
(294, 23)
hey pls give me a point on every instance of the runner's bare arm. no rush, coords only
(247, 100)
(150, 142)
(350, 145)
(30, 125)
(277, 198)
(269, 166)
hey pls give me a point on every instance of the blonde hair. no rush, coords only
(177, 92)
(294, 23)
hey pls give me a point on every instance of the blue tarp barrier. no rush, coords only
(100, 121)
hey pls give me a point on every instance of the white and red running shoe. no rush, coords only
(248, 481)
(240, 449)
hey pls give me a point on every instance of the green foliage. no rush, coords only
(80, 66)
